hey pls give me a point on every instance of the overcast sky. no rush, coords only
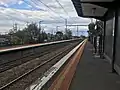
(49, 11)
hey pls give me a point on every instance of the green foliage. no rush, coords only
(91, 27)
(96, 29)
(32, 34)
(100, 26)
(59, 35)
(92, 30)
(68, 34)
(43, 36)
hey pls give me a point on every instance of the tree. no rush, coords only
(91, 28)
(28, 35)
(50, 37)
(96, 30)
(59, 35)
(99, 28)
(93, 35)
(33, 33)
(68, 34)
(20, 35)
(43, 36)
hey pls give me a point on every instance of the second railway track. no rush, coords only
(26, 78)
(13, 63)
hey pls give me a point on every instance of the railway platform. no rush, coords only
(89, 73)
(94, 73)
(72, 67)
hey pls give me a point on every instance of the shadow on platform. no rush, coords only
(94, 73)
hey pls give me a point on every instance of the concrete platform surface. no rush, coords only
(93, 73)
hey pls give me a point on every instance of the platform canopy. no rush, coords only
(93, 8)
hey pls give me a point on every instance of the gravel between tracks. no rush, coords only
(10, 64)
(13, 73)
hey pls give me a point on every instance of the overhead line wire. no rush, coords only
(47, 10)
(50, 9)
(63, 8)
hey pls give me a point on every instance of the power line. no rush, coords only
(47, 10)
(32, 6)
(9, 17)
(22, 13)
(18, 11)
(63, 8)
(37, 5)
(54, 11)
(13, 17)
(50, 9)
(28, 4)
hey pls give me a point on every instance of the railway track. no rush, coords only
(12, 63)
(23, 80)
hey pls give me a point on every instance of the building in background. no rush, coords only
(4, 40)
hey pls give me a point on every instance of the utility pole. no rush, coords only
(40, 25)
(57, 28)
(52, 31)
(15, 27)
(65, 24)
(27, 24)
(77, 30)
(91, 20)
(39, 30)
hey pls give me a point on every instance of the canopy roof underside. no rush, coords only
(93, 8)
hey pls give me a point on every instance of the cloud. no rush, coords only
(20, 2)
(9, 1)
(36, 11)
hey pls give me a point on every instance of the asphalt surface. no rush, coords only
(93, 73)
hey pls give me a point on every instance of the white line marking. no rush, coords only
(30, 46)
(48, 75)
